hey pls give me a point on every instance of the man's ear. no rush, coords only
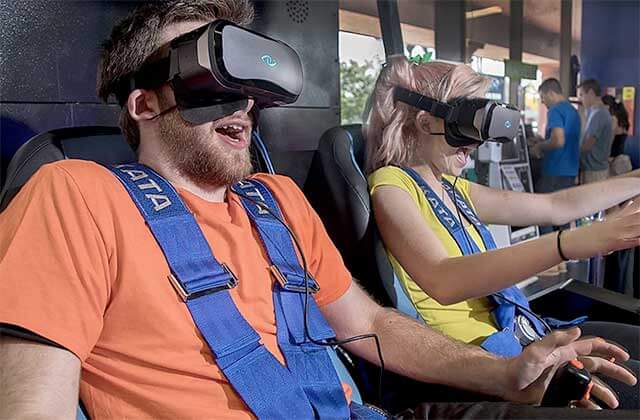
(424, 122)
(143, 104)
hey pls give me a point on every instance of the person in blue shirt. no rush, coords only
(561, 146)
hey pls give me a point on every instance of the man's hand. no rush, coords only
(531, 372)
(536, 151)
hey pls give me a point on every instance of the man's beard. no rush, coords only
(199, 156)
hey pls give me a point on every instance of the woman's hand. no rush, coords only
(531, 372)
(621, 230)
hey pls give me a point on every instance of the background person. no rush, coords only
(620, 122)
(450, 289)
(598, 134)
(560, 149)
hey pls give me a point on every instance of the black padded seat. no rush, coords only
(338, 190)
(105, 145)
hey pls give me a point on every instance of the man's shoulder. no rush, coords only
(87, 177)
(288, 195)
(275, 179)
(565, 107)
(604, 115)
(76, 169)
(284, 189)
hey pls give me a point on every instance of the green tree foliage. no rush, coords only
(356, 84)
(421, 58)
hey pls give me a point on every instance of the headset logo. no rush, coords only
(507, 124)
(269, 61)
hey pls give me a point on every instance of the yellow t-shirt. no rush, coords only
(469, 321)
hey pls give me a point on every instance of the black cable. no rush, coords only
(307, 334)
(464, 232)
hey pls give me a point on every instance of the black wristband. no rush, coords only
(564, 258)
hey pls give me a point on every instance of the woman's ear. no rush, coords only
(143, 104)
(424, 122)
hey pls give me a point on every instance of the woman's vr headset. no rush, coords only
(467, 121)
(216, 68)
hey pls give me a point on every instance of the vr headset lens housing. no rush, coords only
(467, 121)
(216, 68)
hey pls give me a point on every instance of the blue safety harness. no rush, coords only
(308, 386)
(511, 307)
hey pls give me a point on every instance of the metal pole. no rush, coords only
(565, 45)
(515, 46)
(390, 27)
(451, 29)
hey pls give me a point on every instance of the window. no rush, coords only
(361, 55)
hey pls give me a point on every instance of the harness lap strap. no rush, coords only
(503, 342)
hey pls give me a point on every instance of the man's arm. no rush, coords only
(588, 144)
(415, 350)
(37, 380)
(556, 141)
(410, 349)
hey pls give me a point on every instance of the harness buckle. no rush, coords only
(277, 274)
(186, 296)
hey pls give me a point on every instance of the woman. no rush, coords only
(452, 285)
(620, 128)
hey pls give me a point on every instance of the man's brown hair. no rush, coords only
(591, 85)
(136, 38)
(550, 85)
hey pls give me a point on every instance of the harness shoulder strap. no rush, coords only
(204, 285)
(307, 359)
(308, 387)
(509, 302)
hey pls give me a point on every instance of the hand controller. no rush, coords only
(572, 382)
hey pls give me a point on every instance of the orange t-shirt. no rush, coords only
(79, 266)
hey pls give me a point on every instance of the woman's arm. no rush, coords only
(454, 279)
(522, 209)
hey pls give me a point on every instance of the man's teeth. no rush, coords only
(232, 127)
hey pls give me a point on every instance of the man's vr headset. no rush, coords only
(467, 121)
(216, 68)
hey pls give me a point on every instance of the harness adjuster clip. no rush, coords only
(277, 274)
(186, 296)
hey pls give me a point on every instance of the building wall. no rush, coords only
(49, 54)
(611, 51)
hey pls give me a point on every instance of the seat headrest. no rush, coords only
(105, 145)
(337, 188)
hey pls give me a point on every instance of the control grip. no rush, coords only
(572, 382)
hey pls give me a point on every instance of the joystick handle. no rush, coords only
(571, 382)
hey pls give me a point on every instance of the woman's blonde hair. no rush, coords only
(390, 126)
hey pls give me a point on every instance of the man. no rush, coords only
(84, 281)
(561, 148)
(598, 134)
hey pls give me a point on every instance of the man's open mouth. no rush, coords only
(232, 131)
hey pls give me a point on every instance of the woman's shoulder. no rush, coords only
(391, 175)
